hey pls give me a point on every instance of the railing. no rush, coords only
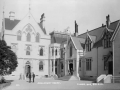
(115, 79)
(101, 78)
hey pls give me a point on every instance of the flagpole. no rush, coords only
(3, 25)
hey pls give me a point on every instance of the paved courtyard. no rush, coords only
(51, 84)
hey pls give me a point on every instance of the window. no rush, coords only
(105, 63)
(70, 50)
(14, 48)
(28, 50)
(56, 52)
(28, 37)
(52, 51)
(88, 44)
(52, 65)
(106, 41)
(80, 64)
(41, 51)
(61, 50)
(88, 64)
(37, 37)
(41, 66)
(19, 36)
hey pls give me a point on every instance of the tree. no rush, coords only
(8, 59)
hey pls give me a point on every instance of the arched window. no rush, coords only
(56, 52)
(28, 37)
(41, 51)
(19, 36)
(28, 50)
(37, 37)
(41, 66)
(14, 48)
(70, 50)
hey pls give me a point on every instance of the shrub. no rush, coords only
(2, 80)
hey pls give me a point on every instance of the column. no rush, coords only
(77, 64)
(54, 62)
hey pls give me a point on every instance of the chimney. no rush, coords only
(108, 20)
(42, 20)
(76, 29)
(12, 15)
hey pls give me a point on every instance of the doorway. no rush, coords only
(27, 70)
(110, 67)
(71, 68)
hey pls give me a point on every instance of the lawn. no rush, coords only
(7, 83)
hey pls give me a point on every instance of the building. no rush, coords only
(56, 39)
(95, 52)
(28, 39)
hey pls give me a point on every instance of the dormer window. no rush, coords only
(88, 44)
(106, 41)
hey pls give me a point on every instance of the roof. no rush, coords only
(43, 29)
(77, 42)
(95, 32)
(115, 32)
(98, 32)
(10, 24)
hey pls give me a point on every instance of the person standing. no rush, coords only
(29, 77)
(33, 76)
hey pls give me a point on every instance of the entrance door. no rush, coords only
(110, 67)
(71, 68)
(27, 69)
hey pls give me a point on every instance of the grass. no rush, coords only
(7, 83)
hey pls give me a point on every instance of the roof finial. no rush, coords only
(29, 8)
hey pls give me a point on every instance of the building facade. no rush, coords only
(28, 39)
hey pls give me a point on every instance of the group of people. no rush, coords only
(30, 76)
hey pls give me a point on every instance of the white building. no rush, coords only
(28, 39)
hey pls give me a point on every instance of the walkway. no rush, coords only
(51, 84)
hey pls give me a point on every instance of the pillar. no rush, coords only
(54, 62)
(77, 64)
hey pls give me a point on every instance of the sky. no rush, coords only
(61, 14)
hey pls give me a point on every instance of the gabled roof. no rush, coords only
(92, 38)
(95, 32)
(116, 30)
(98, 32)
(77, 42)
(10, 24)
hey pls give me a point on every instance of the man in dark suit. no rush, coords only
(29, 75)
(33, 77)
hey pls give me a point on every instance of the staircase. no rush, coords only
(68, 78)
(100, 79)
(115, 79)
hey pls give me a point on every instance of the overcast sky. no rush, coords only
(61, 14)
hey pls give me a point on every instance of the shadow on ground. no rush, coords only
(6, 84)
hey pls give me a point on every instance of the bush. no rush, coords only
(2, 80)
